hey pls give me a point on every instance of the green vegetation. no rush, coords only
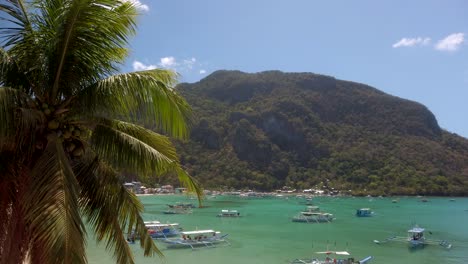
(67, 130)
(266, 130)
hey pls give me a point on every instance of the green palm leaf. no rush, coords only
(53, 210)
(110, 208)
(10, 101)
(79, 53)
(19, 17)
(146, 96)
(125, 151)
(157, 141)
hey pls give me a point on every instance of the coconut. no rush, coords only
(67, 134)
(78, 152)
(76, 133)
(71, 147)
(53, 124)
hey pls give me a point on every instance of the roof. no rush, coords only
(416, 230)
(151, 222)
(228, 211)
(161, 225)
(334, 252)
(198, 232)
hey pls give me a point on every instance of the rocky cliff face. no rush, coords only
(269, 129)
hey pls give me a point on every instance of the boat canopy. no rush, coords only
(334, 252)
(315, 213)
(198, 232)
(151, 222)
(161, 225)
(416, 230)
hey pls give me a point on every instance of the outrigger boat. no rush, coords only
(312, 214)
(229, 213)
(364, 212)
(178, 210)
(416, 238)
(333, 259)
(181, 205)
(197, 239)
(159, 230)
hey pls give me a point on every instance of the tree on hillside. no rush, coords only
(68, 128)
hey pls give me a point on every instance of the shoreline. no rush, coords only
(295, 194)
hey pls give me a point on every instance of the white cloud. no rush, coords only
(139, 66)
(451, 42)
(140, 6)
(411, 42)
(189, 62)
(168, 62)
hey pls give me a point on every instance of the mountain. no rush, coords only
(265, 130)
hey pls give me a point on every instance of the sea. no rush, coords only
(265, 232)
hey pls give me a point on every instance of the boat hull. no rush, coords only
(165, 233)
(311, 220)
(181, 243)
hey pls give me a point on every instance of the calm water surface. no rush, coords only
(266, 234)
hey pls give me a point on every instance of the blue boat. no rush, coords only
(364, 212)
(159, 230)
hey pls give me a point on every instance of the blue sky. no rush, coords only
(416, 50)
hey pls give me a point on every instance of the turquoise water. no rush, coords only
(266, 234)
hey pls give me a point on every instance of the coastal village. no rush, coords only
(139, 189)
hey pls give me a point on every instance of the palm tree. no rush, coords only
(68, 128)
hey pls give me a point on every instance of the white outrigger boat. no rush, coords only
(197, 239)
(313, 217)
(312, 214)
(333, 259)
(416, 238)
(229, 213)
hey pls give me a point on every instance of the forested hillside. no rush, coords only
(266, 130)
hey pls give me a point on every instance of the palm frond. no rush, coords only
(22, 63)
(14, 25)
(157, 141)
(190, 183)
(80, 56)
(52, 208)
(124, 151)
(29, 122)
(111, 209)
(14, 185)
(147, 96)
(10, 100)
